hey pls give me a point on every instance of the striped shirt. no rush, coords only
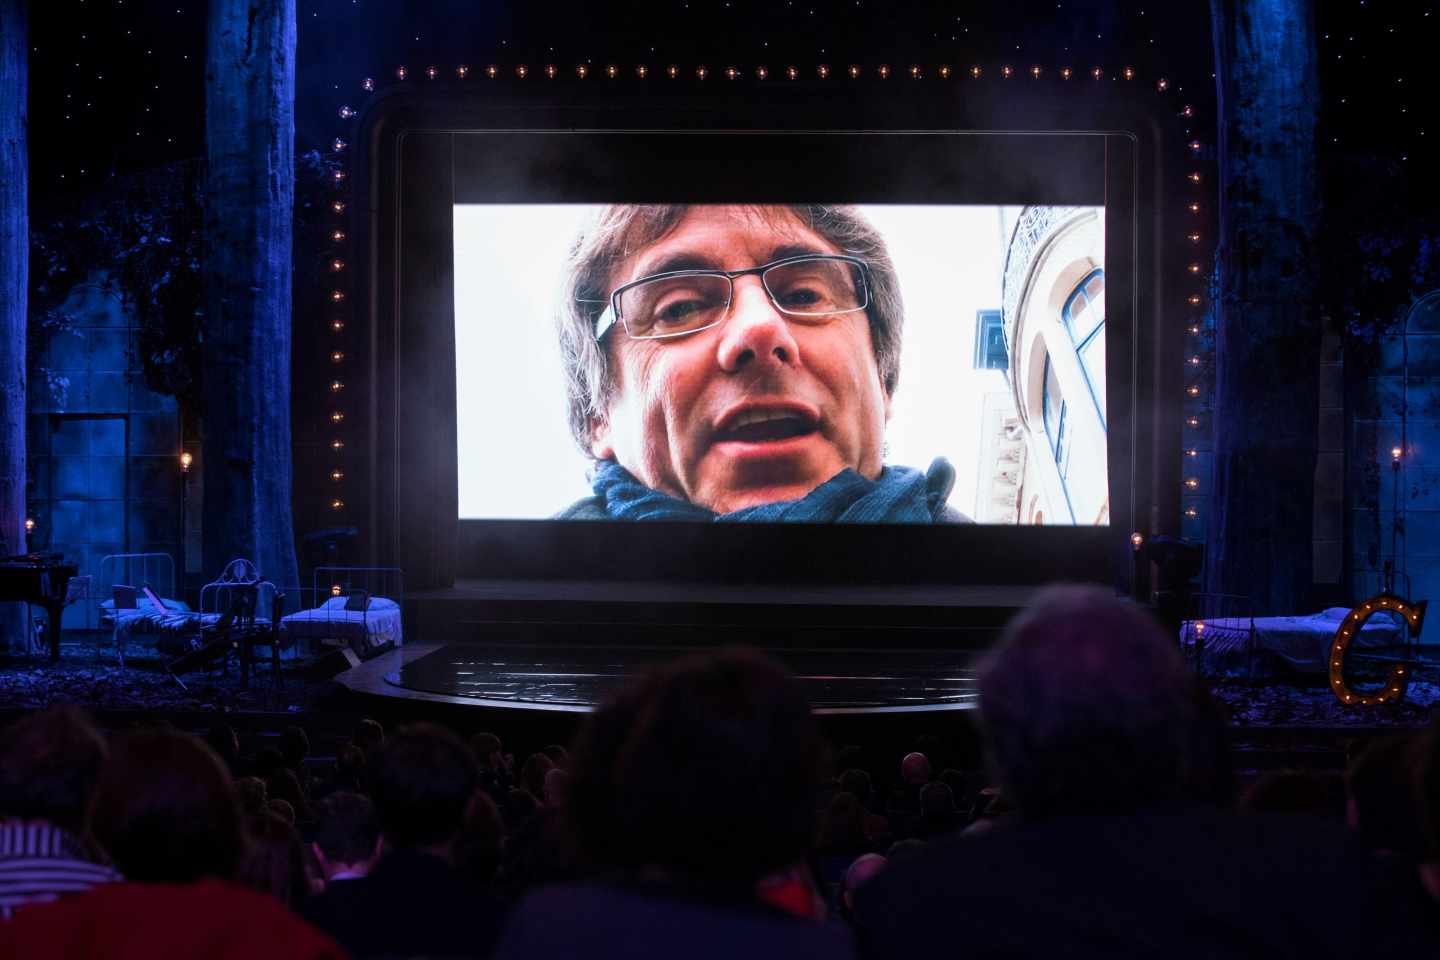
(40, 862)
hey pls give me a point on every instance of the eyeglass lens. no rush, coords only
(666, 306)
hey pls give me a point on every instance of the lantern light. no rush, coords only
(462, 71)
(185, 461)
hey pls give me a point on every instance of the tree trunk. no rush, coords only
(1267, 341)
(249, 197)
(14, 281)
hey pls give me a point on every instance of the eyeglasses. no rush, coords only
(812, 288)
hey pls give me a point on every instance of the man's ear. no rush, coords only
(600, 446)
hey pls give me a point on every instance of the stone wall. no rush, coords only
(103, 473)
(1398, 405)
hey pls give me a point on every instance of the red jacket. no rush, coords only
(121, 921)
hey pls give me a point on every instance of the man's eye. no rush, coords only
(802, 297)
(679, 311)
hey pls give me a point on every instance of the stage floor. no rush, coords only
(572, 678)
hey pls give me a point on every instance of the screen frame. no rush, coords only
(405, 171)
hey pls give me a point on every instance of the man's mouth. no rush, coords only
(765, 426)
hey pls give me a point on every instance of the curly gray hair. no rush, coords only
(621, 230)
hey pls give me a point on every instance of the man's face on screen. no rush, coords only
(757, 409)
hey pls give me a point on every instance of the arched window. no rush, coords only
(1057, 427)
(1084, 317)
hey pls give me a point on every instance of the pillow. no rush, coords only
(376, 603)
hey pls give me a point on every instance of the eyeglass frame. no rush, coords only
(611, 315)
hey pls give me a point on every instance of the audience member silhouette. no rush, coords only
(415, 901)
(49, 762)
(274, 860)
(165, 811)
(677, 862)
(347, 837)
(1380, 796)
(1094, 730)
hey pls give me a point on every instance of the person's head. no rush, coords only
(649, 764)
(294, 746)
(349, 767)
(856, 783)
(558, 755)
(274, 860)
(221, 738)
(425, 780)
(487, 749)
(165, 810)
(368, 735)
(1382, 790)
(1427, 798)
(842, 827)
(768, 402)
(268, 759)
(283, 809)
(557, 787)
(482, 841)
(49, 762)
(282, 784)
(859, 873)
(252, 794)
(532, 775)
(1088, 707)
(937, 800)
(347, 834)
(915, 769)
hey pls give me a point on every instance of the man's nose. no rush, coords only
(755, 332)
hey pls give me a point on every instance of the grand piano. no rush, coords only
(42, 579)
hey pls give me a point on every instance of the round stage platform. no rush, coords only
(576, 678)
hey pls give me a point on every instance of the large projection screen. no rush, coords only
(1021, 260)
(956, 397)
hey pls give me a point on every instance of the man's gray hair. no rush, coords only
(1089, 707)
(622, 230)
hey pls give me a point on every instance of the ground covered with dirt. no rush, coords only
(89, 674)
